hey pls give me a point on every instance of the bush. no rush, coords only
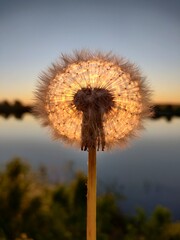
(33, 209)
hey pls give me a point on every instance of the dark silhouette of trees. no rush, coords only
(17, 109)
(166, 111)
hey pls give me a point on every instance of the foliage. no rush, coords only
(153, 228)
(33, 209)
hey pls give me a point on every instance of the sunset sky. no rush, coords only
(34, 33)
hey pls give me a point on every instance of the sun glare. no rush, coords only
(93, 99)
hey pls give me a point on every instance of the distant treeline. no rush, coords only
(17, 109)
(167, 111)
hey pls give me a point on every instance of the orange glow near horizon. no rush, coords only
(27, 99)
(169, 95)
(166, 98)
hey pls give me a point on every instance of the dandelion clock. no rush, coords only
(94, 101)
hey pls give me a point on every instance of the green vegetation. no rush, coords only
(33, 209)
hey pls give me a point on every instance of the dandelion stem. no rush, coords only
(91, 195)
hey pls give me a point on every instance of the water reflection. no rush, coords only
(147, 173)
(17, 109)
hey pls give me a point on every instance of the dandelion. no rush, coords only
(95, 101)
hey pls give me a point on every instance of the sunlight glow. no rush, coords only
(104, 77)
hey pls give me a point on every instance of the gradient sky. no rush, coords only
(34, 33)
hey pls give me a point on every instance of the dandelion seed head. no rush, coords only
(93, 100)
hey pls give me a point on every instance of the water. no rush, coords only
(146, 173)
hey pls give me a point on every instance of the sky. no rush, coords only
(33, 34)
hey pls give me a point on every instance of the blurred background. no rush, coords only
(34, 33)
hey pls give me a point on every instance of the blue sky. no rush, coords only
(34, 33)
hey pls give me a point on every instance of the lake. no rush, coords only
(147, 173)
